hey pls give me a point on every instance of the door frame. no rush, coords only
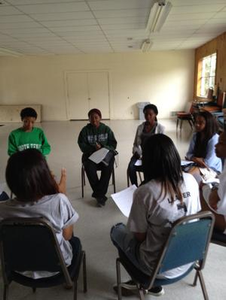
(67, 101)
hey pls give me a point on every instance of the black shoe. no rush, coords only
(101, 201)
(129, 288)
(156, 291)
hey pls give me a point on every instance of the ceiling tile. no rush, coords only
(15, 19)
(8, 10)
(21, 2)
(65, 26)
(57, 7)
(63, 16)
(119, 4)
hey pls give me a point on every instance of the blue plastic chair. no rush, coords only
(188, 242)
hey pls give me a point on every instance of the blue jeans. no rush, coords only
(4, 196)
(124, 240)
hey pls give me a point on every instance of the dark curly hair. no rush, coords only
(28, 112)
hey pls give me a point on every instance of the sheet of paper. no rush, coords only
(99, 155)
(138, 163)
(186, 162)
(124, 199)
(208, 175)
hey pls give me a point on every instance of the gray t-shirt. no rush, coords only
(56, 209)
(153, 213)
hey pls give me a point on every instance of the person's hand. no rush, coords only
(62, 183)
(200, 162)
(97, 146)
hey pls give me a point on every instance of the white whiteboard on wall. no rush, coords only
(11, 113)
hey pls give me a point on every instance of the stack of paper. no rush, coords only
(99, 155)
(124, 199)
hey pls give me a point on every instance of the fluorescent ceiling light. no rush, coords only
(158, 16)
(146, 46)
(7, 52)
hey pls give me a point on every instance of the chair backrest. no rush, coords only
(189, 107)
(188, 242)
(30, 244)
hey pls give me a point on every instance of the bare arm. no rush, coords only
(67, 232)
(214, 199)
(220, 222)
(62, 183)
(199, 161)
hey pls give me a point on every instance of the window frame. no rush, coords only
(200, 76)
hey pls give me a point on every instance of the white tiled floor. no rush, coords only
(94, 224)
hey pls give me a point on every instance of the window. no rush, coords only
(206, 75)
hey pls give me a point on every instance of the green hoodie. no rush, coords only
(91, 135)
(20, 140)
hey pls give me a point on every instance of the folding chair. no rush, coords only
(30, 244)
(83, 179)
(139, 175)
(185, 116)
(188, 242)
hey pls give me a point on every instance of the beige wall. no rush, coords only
(163, 78)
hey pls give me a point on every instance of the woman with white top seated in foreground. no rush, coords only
(166, 195)
(38, 195)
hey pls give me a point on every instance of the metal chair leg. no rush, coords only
(75, 289)
(191, 124)
(203, 286)
(83, 180)
(127, 176)
(195, 279)
(181, 122)
(84, 273)
(177, 123)
(118, 274)
(113, 179)
(5, 292)
(141, 294)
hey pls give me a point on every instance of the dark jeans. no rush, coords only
(132, 169)
(99, 186)
(76, 245)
